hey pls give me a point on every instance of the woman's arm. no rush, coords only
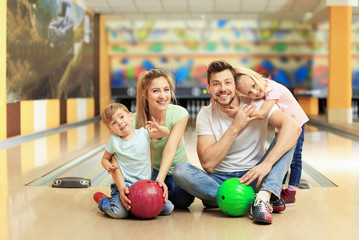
(170, 149)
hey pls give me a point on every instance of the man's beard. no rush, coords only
(225, 104)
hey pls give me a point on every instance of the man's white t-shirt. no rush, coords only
(248, 148)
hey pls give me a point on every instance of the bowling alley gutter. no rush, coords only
(25, 138)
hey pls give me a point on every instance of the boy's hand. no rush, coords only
(124, 199)
(165, 189)
(111, 168)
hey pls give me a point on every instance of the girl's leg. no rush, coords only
(288, 195)
(296, 166)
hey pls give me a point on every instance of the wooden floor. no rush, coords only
(51, 213)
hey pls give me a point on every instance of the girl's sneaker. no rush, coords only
(288, 196)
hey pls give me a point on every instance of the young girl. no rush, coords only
(253, 85)
(155, 93)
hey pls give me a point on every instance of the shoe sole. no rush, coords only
(262, 221)
(259, 221)
(290, 204)
(279, 209)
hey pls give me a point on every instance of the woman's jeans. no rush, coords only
(204, 185)
(179, 197)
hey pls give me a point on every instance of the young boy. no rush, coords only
(130, 150)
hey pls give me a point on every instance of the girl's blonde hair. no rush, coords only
(110, 110)
(257, 78)
(143, 83)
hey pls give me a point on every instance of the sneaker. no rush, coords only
(278, 205)
(261, 211)
(288, 196)
(98, 196)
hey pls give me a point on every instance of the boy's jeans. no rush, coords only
(114, 208)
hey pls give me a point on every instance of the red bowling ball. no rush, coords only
(146, 198)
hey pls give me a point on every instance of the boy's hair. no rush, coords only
(143, 83)
(218, 66)
(256, 77)
(110, 110)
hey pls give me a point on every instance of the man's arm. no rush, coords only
(210, 152)
(286, 139)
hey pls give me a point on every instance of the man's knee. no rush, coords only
(180, 170)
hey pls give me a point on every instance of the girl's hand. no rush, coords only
(124, 199)
(164, 187)
(231, 111)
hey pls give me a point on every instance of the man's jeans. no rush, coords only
(204, 185)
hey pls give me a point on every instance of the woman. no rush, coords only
(155, 92)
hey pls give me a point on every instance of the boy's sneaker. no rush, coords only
(261, 211)
(98, 196)
(288, 196)
(278, 205)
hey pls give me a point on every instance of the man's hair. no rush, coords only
(219, 66)
(110, 110)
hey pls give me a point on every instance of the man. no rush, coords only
(234, 147)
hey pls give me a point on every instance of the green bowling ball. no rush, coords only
(234, 198)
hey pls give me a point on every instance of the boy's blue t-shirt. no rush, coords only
(133, 156)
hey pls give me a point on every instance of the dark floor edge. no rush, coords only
(333, 129)
(25, 138)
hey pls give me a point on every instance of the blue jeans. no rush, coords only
(204, 185)
(296, 165)
(180, 198)
(114, 207)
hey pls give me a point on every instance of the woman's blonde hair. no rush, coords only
(143, 83)
(257, 78)
(110, 110)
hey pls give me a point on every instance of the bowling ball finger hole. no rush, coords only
(223, 197)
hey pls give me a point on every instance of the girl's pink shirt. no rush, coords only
(285, 101)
